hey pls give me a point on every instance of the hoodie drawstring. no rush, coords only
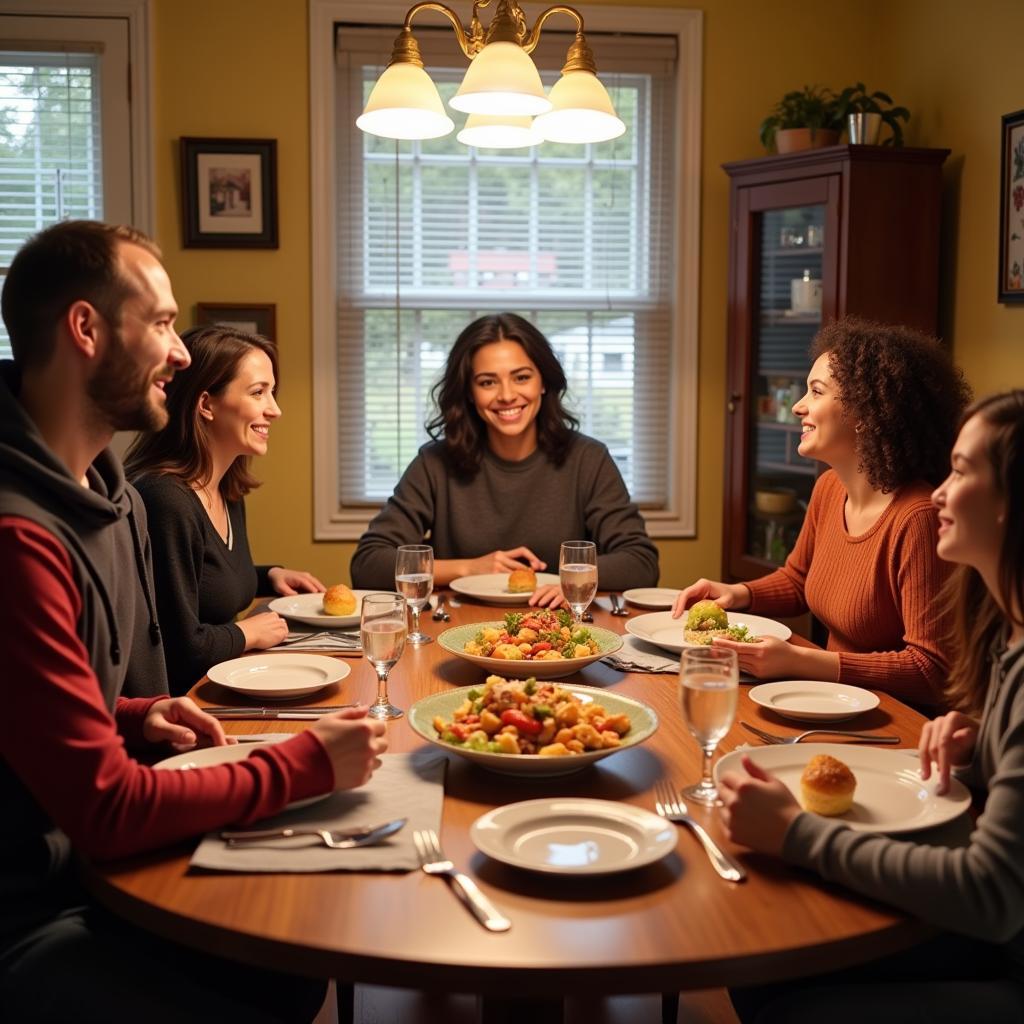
(140, 567)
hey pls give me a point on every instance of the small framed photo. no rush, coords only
(229, 193)
(254, 317)
(1011, 210)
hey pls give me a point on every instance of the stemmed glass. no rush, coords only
(382, 629)
(414, 580)
(709, 687)
(577, 573)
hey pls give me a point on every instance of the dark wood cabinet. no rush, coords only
(813, 236)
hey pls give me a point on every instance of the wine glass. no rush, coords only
(577, 573)
(414, 580)
(382, 629)
(709, 687)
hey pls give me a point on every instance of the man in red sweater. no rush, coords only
(90, 314)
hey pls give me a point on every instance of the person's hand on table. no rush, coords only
(289, 582)
(354, 743)
(725, 595)
(548, 596)
(768, 658)
(757, 809)
(947, 742)
(180, 722)
(505, 561)
(261, 631)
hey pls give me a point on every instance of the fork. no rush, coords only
(440, 615)
(618, 608)
(864, 737)
(342, 639)
(434, 862)
(668, 804)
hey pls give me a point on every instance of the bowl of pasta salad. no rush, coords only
(532, 726)
(540, 643)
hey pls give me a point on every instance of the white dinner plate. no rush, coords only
(279, 676)
(651, 597)
(208, 756)
(890, 796)
(810, 700)
(492, 587)
(309, 608)
(661, 629)
(568, 836)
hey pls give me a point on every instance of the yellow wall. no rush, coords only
(245, 73)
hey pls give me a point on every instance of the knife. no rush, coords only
(237, 709)
(242, 714)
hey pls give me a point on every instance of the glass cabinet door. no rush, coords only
(789, 247)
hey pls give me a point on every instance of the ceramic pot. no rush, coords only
(792, 140)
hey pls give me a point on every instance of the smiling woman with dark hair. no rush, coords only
(880, 410)
(508, 476)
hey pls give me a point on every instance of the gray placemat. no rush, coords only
(405, 786)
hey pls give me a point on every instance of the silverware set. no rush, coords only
(863, 737)
(672, 808)
(618, 606)
(440, 615)
(344, 839)
(343, 640)
(292, 712)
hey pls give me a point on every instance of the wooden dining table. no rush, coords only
(672, 925)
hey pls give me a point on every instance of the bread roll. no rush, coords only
(339, 600)
(826, 786)
(522, 581)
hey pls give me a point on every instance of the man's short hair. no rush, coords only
(75, 260)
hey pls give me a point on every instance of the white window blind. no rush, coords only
(51, 163)
(578, 239)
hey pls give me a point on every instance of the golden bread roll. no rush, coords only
(522, 581)
(339, 600)
(827, 785)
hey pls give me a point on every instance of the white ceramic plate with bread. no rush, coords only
(889, 796)
(492, 587)
(309, 608)
(811, 700)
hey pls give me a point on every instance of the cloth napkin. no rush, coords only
(405, 786)
(310, 639)
(637, 655)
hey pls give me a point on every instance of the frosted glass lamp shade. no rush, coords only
(581, 111)
(486, 131)
(405, 104)
(501, 79)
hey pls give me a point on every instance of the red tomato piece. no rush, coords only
(543, 645)
(524, 723)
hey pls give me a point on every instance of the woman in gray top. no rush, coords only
(975, 893)
(508, 477)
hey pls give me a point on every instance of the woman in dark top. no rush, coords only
(508, 476)
(193, 476)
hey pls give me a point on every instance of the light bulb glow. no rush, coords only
(582, 111)
(405, 104)
(501, 79)
(499, 132)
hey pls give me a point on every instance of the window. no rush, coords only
(65, 126)
(582, 241)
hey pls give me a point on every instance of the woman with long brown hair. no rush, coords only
(975, 969)
(193, 477)
(508, 475)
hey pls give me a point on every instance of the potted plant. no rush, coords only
(864, 114)
(803, 119)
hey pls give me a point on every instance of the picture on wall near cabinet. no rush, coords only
(253, 317)
(229, 193)
(1011, 210)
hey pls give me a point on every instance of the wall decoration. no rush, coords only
(229, 193)
(1011, 210)
(254, 317)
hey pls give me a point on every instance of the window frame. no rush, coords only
(139, 18)
(678, 518)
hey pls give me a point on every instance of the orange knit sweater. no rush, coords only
(875, 593)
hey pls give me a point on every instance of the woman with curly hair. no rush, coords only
(973, 891)
(508, 476)
(881, 410)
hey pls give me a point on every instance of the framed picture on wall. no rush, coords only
(229, 193)
(254, 317)
(1011, 210)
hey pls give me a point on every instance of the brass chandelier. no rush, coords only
(501, 91)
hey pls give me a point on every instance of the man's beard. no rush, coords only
(120, 390)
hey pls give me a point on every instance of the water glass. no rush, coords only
(382, 629)
(577, 573)
(709, 688)
(414, 580)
